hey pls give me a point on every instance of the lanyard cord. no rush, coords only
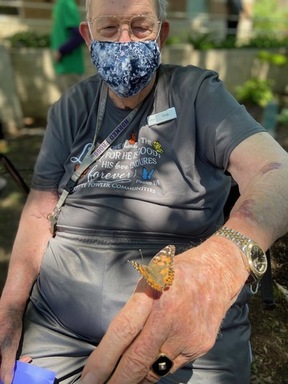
(94, 153)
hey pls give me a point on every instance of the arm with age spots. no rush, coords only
(260, 167)
(208, 278)
(30, 243)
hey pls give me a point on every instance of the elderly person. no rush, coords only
(141, 156)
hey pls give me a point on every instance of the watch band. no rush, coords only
(247, 246)
(235, 236)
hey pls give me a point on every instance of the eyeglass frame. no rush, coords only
(128, 22)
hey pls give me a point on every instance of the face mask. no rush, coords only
(126, 67)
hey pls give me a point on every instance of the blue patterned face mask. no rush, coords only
(126, 67)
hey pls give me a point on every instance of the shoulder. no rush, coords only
(185, 72)
(188, 76)
(75, 105)
(189, 81)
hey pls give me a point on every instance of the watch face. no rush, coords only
(258, 259)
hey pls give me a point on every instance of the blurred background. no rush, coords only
(253, 47)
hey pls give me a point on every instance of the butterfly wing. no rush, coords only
(147, 175)
(159, 273)
(144, 174)
(147, 274)
(162, 267)
(158, 147)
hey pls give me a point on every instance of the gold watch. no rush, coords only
(254, 257)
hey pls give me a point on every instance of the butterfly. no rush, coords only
(159, 273)
(132, 138)
(147, 175)
(158, 147)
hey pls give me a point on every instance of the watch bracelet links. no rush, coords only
(237, 239)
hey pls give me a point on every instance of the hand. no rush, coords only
(181, 322)
(57, 56)
(10, 333)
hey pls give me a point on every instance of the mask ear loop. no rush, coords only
(159, 31)
(91, 35)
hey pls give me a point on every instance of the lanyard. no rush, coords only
(93, 155)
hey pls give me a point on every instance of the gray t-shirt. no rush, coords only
(160, 183)
(164, 178)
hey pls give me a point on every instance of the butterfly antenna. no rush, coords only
(140, 250)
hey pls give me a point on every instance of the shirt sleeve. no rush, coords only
(222, 123)
(73, 42)
(70, 126)
(57, 143)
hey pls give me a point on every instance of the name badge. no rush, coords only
(161, 117)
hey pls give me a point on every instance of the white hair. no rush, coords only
(162, 9)
(161, 6)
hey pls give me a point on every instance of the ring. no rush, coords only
(162, 365)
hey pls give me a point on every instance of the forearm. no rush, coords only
(261, 214)
(74, 42)
(29, 246)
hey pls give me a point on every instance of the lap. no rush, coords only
(55, 347)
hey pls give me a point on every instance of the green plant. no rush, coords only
(269, 18)
(29, 39)
(255, 91)
(201, 41)
(283, 116)
(175, 40)
(205, 41)
(266, 40)
(259, 91)
(278, 59)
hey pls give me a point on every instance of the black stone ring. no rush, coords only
(162, 365)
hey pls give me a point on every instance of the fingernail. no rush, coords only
(89, 378)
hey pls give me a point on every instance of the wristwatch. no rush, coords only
(254, 257)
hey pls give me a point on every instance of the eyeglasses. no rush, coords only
(140, 28)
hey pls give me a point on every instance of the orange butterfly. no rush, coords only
(133, 138)
(159, 273)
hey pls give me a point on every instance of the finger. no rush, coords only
(161, 333)
(26, 359)
(136, 362)
(178, 362)
(122, 331)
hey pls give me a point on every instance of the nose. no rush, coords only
(124, 34)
